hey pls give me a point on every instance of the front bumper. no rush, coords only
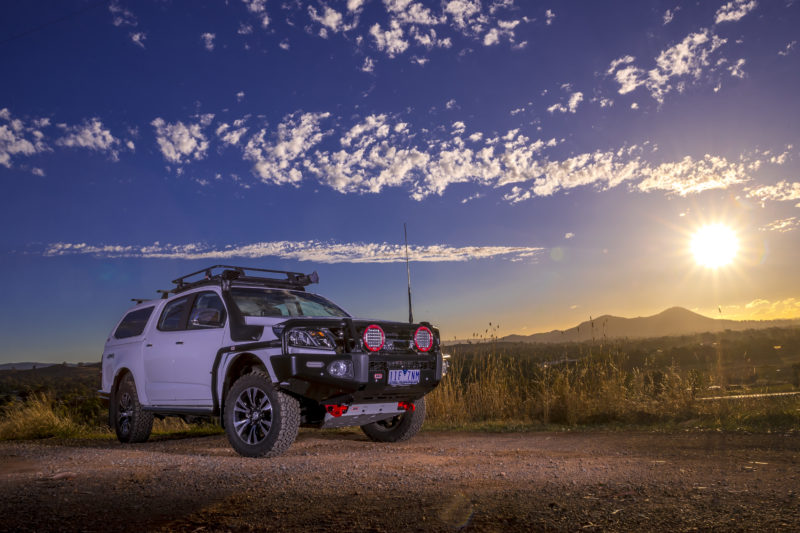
(308, 375)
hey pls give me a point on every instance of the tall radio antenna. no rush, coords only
(408, 273)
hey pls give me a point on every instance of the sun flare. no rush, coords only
(714, 245)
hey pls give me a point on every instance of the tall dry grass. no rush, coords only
(504, 389)
(42, 417)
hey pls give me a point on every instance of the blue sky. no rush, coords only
(552, 159)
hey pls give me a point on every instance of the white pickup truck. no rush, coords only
(263, 356)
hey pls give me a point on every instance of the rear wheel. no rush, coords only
(260, 421)
(131, 422)
(399, 428)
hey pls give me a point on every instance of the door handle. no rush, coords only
(178, 342)
(149, 345)
(110, 356)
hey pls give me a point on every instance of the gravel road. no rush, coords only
(438, 481)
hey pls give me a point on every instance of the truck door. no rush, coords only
(179, 353)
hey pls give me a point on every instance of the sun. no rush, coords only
(714, 245)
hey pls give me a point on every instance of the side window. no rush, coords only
(174, 315)
(208, 311)
(133, 324)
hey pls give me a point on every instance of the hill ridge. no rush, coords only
(673, 321)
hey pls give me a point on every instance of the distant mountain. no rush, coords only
(23, 366)
(672, 322)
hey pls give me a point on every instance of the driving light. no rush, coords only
(374, 338)
(341, 369)
(423, 339)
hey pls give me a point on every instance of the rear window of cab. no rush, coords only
(133, 324)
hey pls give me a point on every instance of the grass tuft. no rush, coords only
(40, 417)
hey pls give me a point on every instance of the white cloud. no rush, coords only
(244, 29)
(692, 176)
(463, 12)
(736, 69)
(208, 40)
(181, 142)
(569, 235)
(407, 12)
(121, 16)
(687, 59)
(20, 139)
(734, 10)
(36, 171)
(451, 104)
(572, 104)
(783, 191)
(669, 14)
(230, 136)
(280, 160)
(355, 5)
(787, 49)
(138, 38)
(786, 308)
(284, 44)
(258, 8)
(90, 135)
(783, 225)
(316, 251)
(240, 96)
(330, 18)
(380, 151)
(574, 100)
(390, 41)
(549, 15)
(369, 65)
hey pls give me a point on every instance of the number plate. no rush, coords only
(404, 377)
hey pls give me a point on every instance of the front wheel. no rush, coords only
(399, 428)
(260, 421)
(131, 422)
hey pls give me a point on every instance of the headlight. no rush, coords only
(317, 338)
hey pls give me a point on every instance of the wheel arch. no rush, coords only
(241, 364)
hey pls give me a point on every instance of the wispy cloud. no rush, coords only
(734, 10)
(90, 135)
(787, 49)
(763, 308)
(121, 16)
(316, 251)
(674, 66)
(782, 191)
(782, 225)
(138, 38)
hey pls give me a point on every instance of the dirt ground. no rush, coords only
(438, 481)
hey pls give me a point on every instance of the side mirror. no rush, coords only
(206, 318)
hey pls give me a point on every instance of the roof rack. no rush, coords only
(293, 280)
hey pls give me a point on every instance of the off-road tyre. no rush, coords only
(260, 421)
(130, 421)
(399, 428)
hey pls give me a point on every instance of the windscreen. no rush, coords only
(280, 302)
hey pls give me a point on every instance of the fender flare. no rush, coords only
(216, 378)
